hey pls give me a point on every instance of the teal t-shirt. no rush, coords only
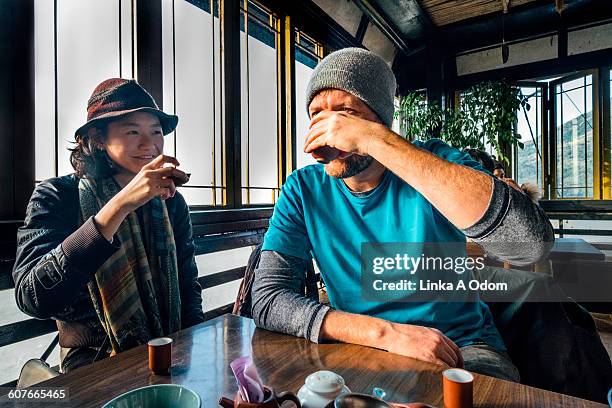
(318, 216)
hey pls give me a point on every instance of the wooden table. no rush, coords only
(567, 249)
(202, 354)
(564, 250)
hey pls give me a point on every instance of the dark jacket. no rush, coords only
(56, 258)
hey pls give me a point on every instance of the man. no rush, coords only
(498, 170)
(383, 188)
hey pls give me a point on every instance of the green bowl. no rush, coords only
(157, 396)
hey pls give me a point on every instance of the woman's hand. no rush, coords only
(423, 343)
(153, 180)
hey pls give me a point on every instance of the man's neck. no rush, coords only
(367, 180)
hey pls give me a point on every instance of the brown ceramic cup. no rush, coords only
(160, 355)
(458, 387)
(180, 181)
(271, 400)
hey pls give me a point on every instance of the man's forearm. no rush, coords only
(418, 342)
(436, 179)
(355, 329)
(513, 228)
(278, 302)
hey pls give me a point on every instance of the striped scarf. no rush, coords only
(135, 292)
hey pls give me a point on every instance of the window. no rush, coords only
(608, 187)
(528, 163)
(68, 67)
(78, 44)
(308, 53)
(191, 39)
(395, 126)
(259, 105)
(573, 100)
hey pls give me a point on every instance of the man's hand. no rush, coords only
(343, 131)
(422, 343)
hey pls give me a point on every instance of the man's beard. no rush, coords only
(349, 166)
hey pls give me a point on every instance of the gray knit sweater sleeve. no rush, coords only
(513, 228)
(278, 300)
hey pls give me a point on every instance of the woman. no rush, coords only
(108, 251)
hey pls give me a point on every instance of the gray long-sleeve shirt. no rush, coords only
(278, 302)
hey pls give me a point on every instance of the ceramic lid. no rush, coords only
(324, 382)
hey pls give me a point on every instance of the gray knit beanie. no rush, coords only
(361, 73)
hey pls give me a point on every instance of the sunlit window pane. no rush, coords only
(574, 119)
(259, 106)
(395, 126)
(90, 39)
(306, 59)
(528, 161)
(191, 64)
(127, 33)
(87, 54)
(44, 89)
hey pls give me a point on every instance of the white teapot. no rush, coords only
(321, 388)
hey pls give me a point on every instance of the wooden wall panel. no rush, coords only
(444, 12)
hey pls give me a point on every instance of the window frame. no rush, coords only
(552, 136)
(602, 132)
(146, 59)
(544, 128)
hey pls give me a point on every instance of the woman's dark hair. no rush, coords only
(87, 159)
(482, 157)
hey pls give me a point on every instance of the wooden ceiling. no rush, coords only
(444, 12)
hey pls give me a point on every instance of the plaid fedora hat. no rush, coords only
(117, 97)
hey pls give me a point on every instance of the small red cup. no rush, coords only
(160, 355)
(458, 388)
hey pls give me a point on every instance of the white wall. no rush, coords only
(520, 53)
(589, 39)
(345, 12)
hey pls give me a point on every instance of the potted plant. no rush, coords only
(487, 113)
